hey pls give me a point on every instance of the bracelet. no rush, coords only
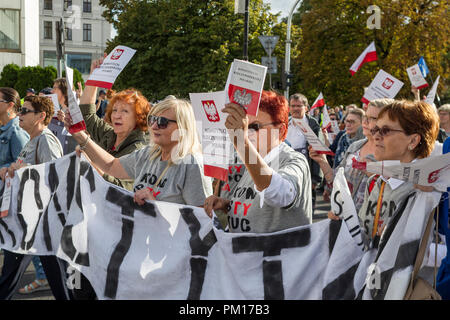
(85, 143)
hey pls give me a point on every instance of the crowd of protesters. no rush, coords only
(128, 137)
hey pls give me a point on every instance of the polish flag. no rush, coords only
(370, 54)
(318, 103)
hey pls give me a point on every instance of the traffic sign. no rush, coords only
(271, 64)
(269, 43)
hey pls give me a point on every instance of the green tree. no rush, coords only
(334, 33)
(34, 77)
(8, 77)
(184, 46)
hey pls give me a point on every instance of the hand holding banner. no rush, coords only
(216, 145)
(416, 77)
(244, 85)
(312, 139)
(112, 66)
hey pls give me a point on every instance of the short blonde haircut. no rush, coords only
(188, 142)
(444, 108)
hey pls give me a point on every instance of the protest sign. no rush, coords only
(244, 85)
(432, 94)
(55, 101)
(78, 123)
(105, 75)
(312, 139)
(430, 171)
(383, 85)
(216, 145)
(416, 77)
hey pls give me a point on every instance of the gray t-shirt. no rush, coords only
(245, 213)
(391, 199)
(183, 183)
(46, 145)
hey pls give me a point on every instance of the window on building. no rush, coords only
(48, 30)
(87, 32)
(9, 30)
(79, 61)
(50, 59)
(87, 6)
(68, 32)
(67, 4)
(48, 4)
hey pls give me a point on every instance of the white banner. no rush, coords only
(416, 77)
(170, 251)
(383, 85)
(244, 85)
(217, 148)
(311, 137)
(105, 75)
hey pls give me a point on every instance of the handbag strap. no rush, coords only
(422, 248)
(377, 214)
(436, 238)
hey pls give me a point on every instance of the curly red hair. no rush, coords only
(134, 97)
(277, 107)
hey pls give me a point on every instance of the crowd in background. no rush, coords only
(129, 139)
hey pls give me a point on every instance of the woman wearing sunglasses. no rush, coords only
(274, 192)
(361, 151)
(43, 146)
(170, 167)
(404, 131)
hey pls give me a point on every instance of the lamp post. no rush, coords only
(287, 59)
(246, 18)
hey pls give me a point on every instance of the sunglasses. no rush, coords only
(256, 126)
(160, 121)
(24, 111)
(383, 131)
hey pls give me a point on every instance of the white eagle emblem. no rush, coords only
(242, 97)
(210, 110)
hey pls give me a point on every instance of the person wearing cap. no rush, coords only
(101, 104)
(29, 92)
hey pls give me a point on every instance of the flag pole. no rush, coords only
(245, 54)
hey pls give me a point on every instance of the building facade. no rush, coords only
(86, 32)
(19, 32)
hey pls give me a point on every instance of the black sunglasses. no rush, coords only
(162, 122)
(24, 111)
(383, 131)
(255, 126)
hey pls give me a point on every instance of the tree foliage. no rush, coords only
(185, 46)
(335, 33)
(36, 77)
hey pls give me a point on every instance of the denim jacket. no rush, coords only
(12, 139)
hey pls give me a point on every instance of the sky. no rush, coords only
(281, 5)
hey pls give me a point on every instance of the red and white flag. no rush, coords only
(318, 103)
(370, 54)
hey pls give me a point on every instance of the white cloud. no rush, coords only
(281, 5)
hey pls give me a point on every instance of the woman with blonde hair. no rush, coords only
(167, 168)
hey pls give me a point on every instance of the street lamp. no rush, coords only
(287, 59)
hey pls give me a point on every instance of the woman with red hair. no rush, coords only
(274, 192)
(124, 127)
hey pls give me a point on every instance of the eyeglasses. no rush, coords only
(383, 131)
(369, 119)
(24, 111)
(255, 126)
(4, 101)
(352, 122)
(160, 121)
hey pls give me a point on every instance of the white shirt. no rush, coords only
(295, 135)
(280, 192)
